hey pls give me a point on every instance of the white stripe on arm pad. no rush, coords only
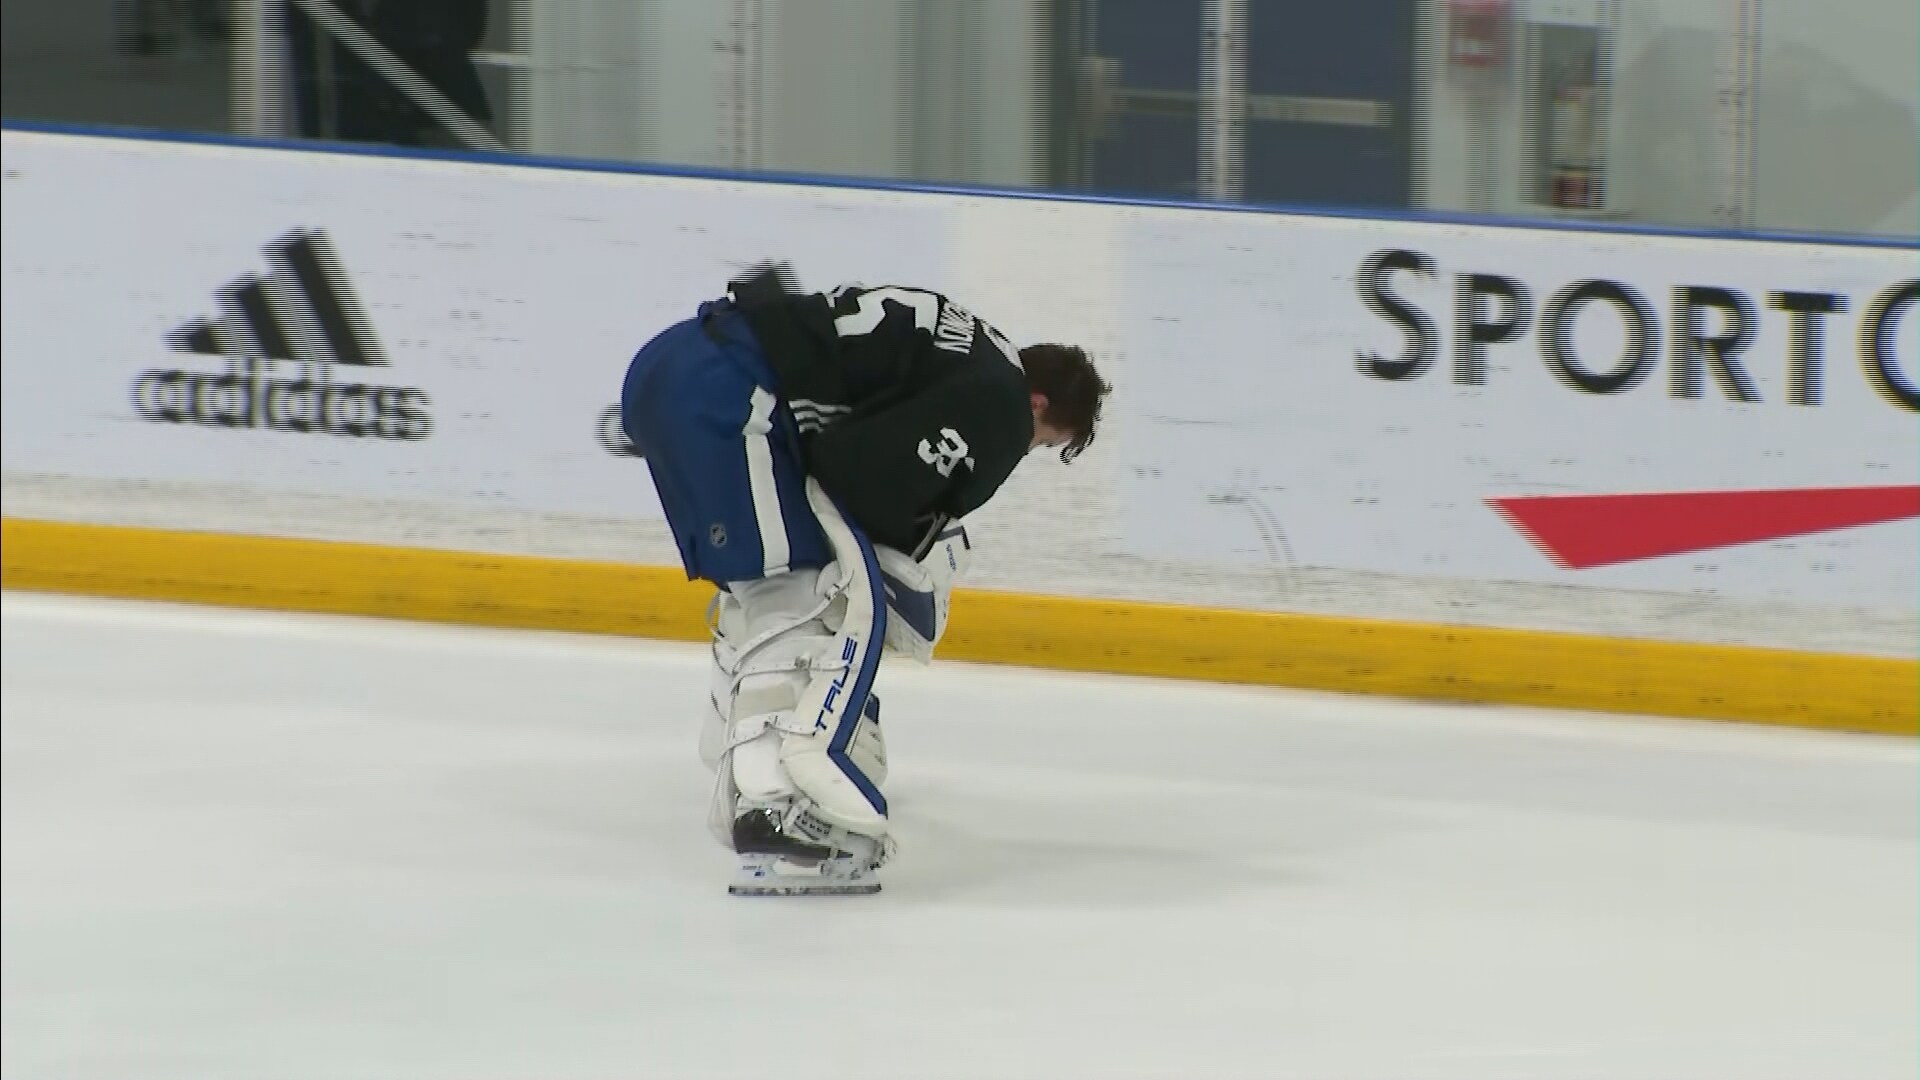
(766, 494)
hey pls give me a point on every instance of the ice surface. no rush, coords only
(245, 845)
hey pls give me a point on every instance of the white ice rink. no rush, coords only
(276, 848)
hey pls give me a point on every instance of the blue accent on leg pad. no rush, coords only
(916, 609)
(856, 705)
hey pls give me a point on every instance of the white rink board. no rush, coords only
(512, 306)
(1251, 365)
(1247, 461)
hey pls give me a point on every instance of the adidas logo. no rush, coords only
(284, 336)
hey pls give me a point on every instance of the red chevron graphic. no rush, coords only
(1583, 531)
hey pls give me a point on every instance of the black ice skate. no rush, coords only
(796, 854)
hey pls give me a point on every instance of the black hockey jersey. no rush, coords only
(910, 408)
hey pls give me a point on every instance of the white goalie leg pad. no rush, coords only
(730, 632)
(767, 637)
(821, 762)
(793, 700)
(729, 624)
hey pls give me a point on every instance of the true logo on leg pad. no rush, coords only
(839, 683)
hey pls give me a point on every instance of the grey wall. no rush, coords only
(952, 90)
(64, 60)
(1836, 106)
(895, 89)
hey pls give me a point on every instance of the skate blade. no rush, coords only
(774, 876)
(803, 888)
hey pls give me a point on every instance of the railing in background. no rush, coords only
(1741, 115)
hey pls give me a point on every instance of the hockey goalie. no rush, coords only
(815, 454)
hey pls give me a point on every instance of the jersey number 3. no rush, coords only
(951, 450)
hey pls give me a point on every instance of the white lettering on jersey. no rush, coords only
(955, 332)
(951, 452)
(953, 326)
(873, 309)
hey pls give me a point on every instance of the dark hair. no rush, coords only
(1065, 374)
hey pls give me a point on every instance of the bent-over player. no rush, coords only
(815, 454)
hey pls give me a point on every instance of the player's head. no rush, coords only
(1066, 393)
